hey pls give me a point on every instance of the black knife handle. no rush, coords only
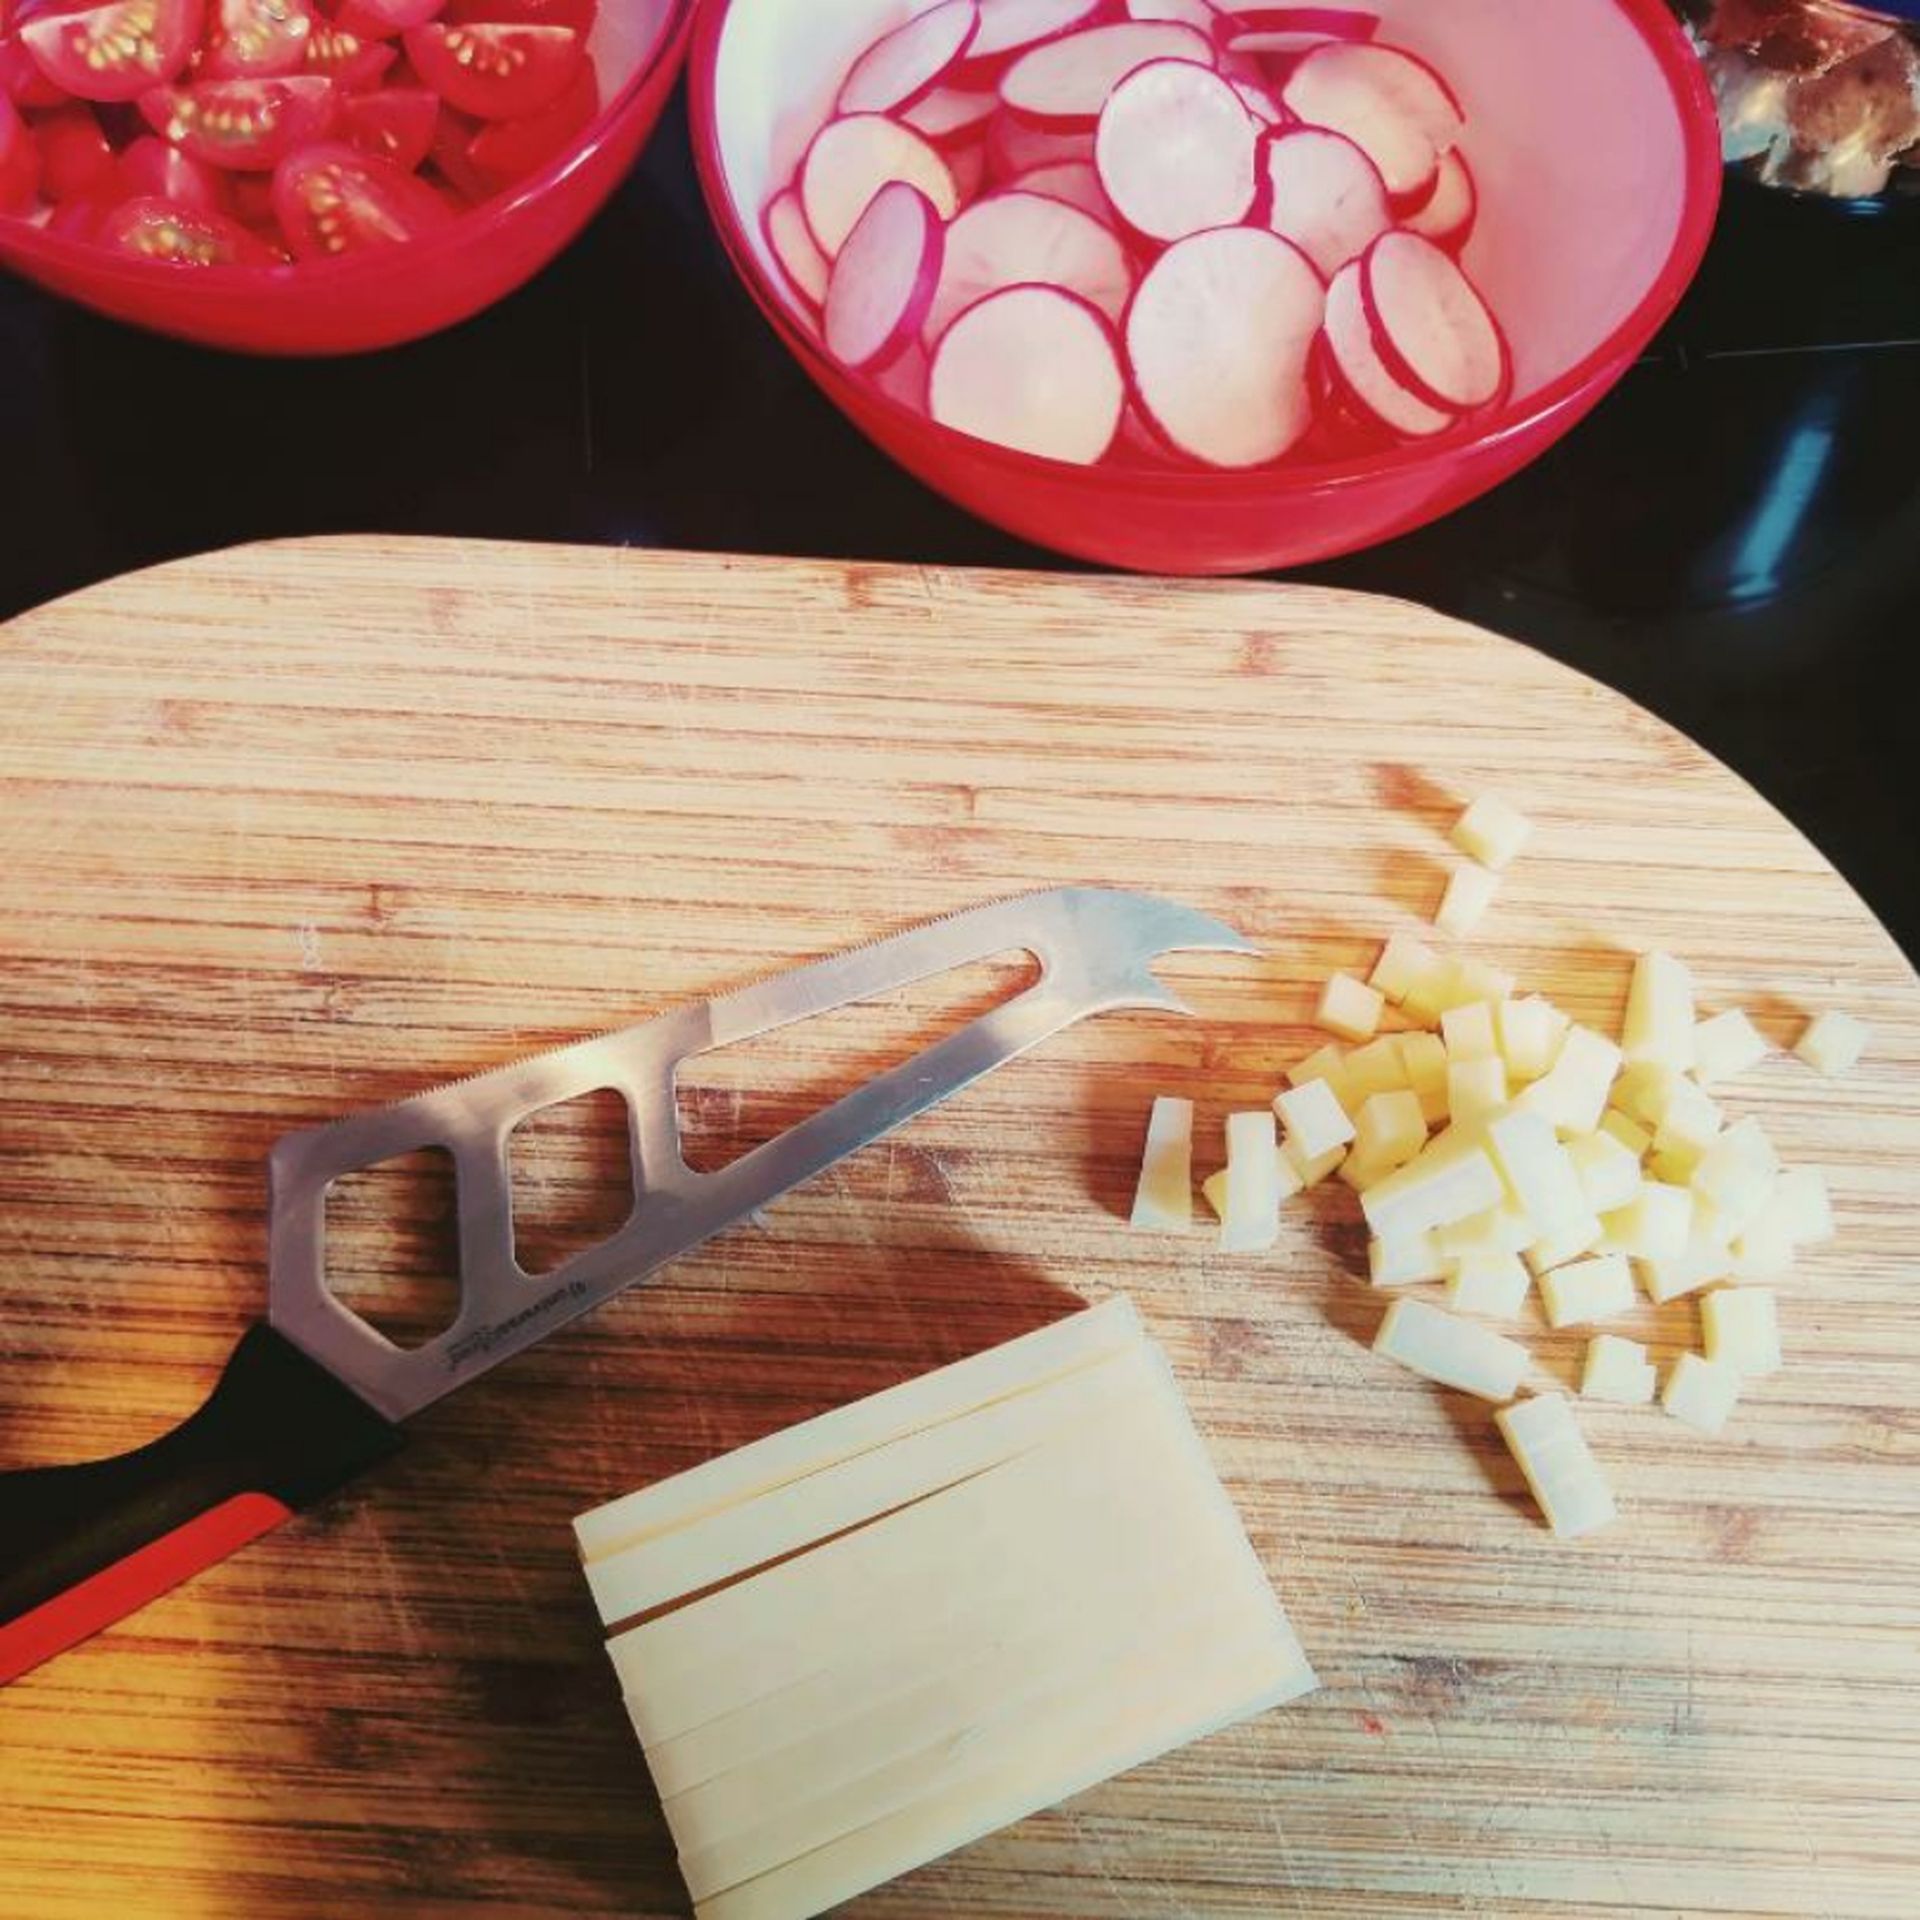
(84, 1546)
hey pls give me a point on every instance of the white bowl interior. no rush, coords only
(1572, 134)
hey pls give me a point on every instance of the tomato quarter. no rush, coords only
(151, 167)
(21, 80)
(114, 52)
(384, 19)
(508, 150)
(353, 62)
(255, 39)
(577, 14)
(397, 123)
(496, 73)
(247, 124)
(178, 236)
(333, 200)
(75, 158)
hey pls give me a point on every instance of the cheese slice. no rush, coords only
(781, 1458)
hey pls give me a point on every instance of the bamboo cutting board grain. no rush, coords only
(300, 828)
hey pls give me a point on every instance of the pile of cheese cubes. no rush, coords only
(1498, 1147)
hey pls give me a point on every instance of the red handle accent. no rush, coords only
(116, 1591)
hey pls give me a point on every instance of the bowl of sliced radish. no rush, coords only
(1192, 286)
(316, 176)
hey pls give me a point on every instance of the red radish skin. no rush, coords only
(1211, 20)
(1320, 191)
(905, 378)
(1014, 238)
(1016, 146)
(1077, 182)
(950, 115)
(1355, 356)
(1431, 328)
(1218, 339)
(1448, 216)
(1175, 150)
(968, 165)
(851, 159)
(1286, 31)
(1034, 369)
(791, 242)
(884, 279)
(1260, 102)
(906, 65)
(1391, 105)
(1009, 27)
(1064, 84)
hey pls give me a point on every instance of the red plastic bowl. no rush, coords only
(1594, 142)
(379, 299)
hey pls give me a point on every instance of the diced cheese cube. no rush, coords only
(1727, 1045)
(1470, 891)
(1654, 1224)
(1609, 1173)
(1675, 1166)
(1702, 1393)
(1468, 1032)
(1659, 1022)
(1488, 1235)
(1556, 1249)
(1737, 1173)
(1765, 1251)
(1435, 988)
(1646, 1091)
(1315, 1121)
(1328, 1063)
(1405, 1263)
(1701, 1263)
(1573, 1093)
(1311, 1169)
(1423, 1058)
(1833, 1042)
(1741, 1326)
(1629, 1132)
(1801, 1196)
(1545, 1439)
(1251, 1222)
(1350, 1008)
(1451, 1180)
(1491, 831)
(1213, 1190)
(1452, 1351)
(1163, 1199)
(1537, 1171)
(1476, 980)
(1476, 1088)
(1389, 1130)
(1618, 1370)
(1378, 1067)
(1531, 1032)
(1588, 1290)
(1691, 1119)
(1494, 1285)
(1402, 961)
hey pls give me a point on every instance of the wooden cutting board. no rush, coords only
(300, 828)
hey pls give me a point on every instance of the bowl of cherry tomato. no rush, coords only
(316, 176)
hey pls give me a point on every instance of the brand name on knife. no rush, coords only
(484, 1339)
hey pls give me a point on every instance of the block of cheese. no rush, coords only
(1452, 1351)
(1403, 960)
(1587, 1290)
(900, 1627)
(1833, 1042)
(1702, 1393)
(1659, 1025)
(1742, 1330)
(1250, 1220)
(1727, 1045)
(1618, 1370)
(1492, 830)
(1452, 1179)
(1350, 1008)
(1163, 1199)
(1470, 891)
(1546, 1440)
(1493, 1284)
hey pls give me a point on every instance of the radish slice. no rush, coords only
(1433, 331)
(884, 280)
(1029, 239)
(1258, 101)
(1034, 369)
(1322, 193)
(1393, 107)
(1015, 147)
(908, 63)
(1175, 150)
(1211, 20)
(1447, 218)
(1356, 359)
(1076, 182)
(1008, 27)
(793, 245)
(1066, 82)
(951, 114)
(1292, 30)
(851, 159)
(1218, 339)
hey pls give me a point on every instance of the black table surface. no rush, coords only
(1733, 538)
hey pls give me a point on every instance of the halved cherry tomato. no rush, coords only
(21, 80)
(153, 168)
(250, 201)
(250, 125)
(496, 73)
(115, 52)
(254, 39)
(577, 14)
(74, 155)
(509, 150)
(163, 230)
(452, 136)
(396, 124)
(348, 59)
(333, 200)
(19, 161)
(384, 19)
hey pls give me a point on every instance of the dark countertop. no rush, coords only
(1733, 538)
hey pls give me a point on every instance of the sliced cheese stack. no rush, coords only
(854, 1646)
